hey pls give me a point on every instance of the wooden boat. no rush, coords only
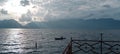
(60, 38)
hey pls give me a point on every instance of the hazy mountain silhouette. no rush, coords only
(9, 24)
(66, 24)
(77, 24)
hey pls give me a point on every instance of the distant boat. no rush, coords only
(19, 33)
(60, 38)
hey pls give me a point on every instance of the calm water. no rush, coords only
(22, 41)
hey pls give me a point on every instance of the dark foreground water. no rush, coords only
(22, 41)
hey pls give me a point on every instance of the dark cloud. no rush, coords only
(64, 5)
(106, 13)
(34, 7)
(2, 11)
(26, 17)
(107, 6)
(24, 2)
(2, 2)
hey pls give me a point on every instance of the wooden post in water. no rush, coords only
(71, 46)
(36, 45)
(101, 36)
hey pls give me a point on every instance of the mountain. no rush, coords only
(9, 24)
(108, 23)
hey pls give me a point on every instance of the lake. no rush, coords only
(23, 41)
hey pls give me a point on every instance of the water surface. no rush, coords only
(22, 41)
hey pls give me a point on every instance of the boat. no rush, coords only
(19, 33)
(60, 38)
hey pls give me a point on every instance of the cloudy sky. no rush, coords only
(25, 11)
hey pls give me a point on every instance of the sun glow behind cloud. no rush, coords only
(16, 10)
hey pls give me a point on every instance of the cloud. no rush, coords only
(83, 9)
(107, 6)
(2, 11)
(65, 9)
(24, 2)
(2, 2)
(26, 17)
(105, 13)
(62, 9)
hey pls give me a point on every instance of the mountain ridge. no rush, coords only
(108, 23)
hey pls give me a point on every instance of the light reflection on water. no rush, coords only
(22, 41)
(14, 36)
(14, 40)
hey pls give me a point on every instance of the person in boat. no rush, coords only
(61, 38)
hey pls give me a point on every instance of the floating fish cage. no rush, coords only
(101, 46)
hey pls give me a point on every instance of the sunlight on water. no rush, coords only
(22, 41)
(14, 35)
(14, 40)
